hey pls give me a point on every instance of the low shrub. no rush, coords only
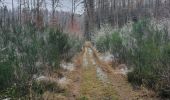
(149, 57)
(145, 47)
(26, 51)
(41, 87)
(6, 75)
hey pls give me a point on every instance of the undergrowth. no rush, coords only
(145, 46)
(26, 52)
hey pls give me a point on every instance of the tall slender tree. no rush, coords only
(89, 18)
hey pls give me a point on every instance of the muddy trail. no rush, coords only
(92, 78)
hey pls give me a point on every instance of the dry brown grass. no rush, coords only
(53, 96)
(94, 89)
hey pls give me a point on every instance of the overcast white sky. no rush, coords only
(65, 5)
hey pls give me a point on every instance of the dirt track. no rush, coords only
(93, 79)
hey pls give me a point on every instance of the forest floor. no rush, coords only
(93, 79)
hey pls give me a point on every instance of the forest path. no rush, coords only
(93, 79)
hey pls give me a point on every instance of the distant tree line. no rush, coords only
(119, 12)
(37, 12)
(97, 12)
